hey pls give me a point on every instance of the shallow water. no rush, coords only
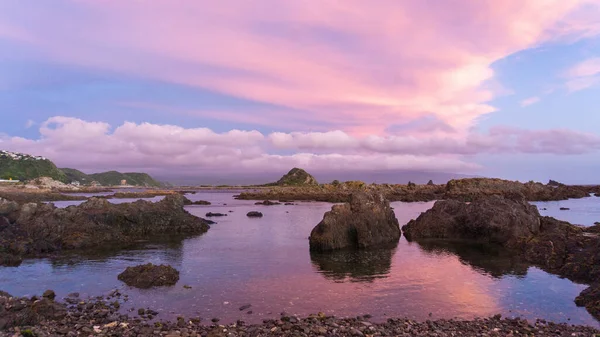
(266, 263)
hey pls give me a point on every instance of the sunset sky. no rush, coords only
(505, 88)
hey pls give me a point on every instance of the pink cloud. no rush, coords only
(73, 142)
(584, 74)
(351, 64)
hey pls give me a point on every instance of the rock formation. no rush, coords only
(35, 229)
(254, 214)
(25, 312)
(366, 221)
(556, 246)
(149, 275)
(493, 219)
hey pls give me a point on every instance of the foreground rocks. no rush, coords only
(37, 229)
(100, 316)
(366, 221)
(149, 275)
(556, 246)
(28, 311)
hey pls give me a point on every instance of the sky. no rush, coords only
(509, 89)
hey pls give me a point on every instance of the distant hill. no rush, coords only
(20, 166)
(76, 175)
(132, 178)
(112, 178)
(297, 177)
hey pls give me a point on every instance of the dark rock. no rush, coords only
(366, 221)
(430, 183)
(149, 275)
(244, 307)
(267, 203)
(49, 294)
(211, 214)
(38, 229)
(590, 299)
(564, 208)
(187, 201)
(26, 312)
(254, 214)
(289, 203)
(554, 183)
(493, 219)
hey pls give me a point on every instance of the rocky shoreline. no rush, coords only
(101, 316)
(468, 189)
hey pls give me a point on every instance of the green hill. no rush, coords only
(297, 177)
(132, 178)
(20, 166)
(76, 175)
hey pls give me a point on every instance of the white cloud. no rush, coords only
(169, 149)
(29, 123)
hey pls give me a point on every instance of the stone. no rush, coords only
(367, 221)
(254, 214)
(149, 275)
(267, 203)
(49, 294)
(211, 214)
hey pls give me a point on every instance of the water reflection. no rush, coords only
(488, 259)
(168, 248)
(354, 265)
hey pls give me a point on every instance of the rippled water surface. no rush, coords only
(266, 263)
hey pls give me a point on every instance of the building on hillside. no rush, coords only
(9, 180)
(75, 183)
(123, 182)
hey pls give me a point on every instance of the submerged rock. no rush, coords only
(149, 275)
(254, 214)
(366, 221)
(267, 203)
(211, 214)
(36, 229)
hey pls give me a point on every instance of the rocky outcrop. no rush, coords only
(28, 311)
(556, 246)
(187, 201)
(494, 220)
(149, 275)
(297, 177)
(36, 229)
(554, 183)
(366, 221)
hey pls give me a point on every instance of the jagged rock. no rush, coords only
(590, 299)
(7, 206)
(430, 183)
(297, 176)
(366, 221)
(149, 275)
(49, 294)
(493, 219)
(554, 183)
(37, 228)
(254, 214)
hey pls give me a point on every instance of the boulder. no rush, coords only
(254, 214)
(366, 221)
(149, 275)
(7, 206)
(493, 219)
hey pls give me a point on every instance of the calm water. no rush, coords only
(266, 263)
